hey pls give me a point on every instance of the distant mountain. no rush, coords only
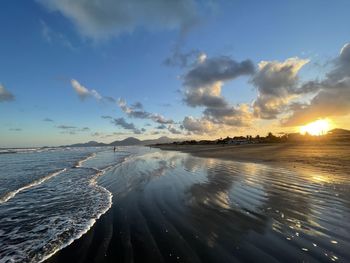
(126, 142)
(88, 144)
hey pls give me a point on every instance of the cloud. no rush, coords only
(15, 129)
(65, 127)
(83, 92)
(5, 95)
(197, 126)
(70, 132)
(110, 99)
(208, 96)
(173, 130)
(202, 87)
(109, 18)
(51, 36)
(239, 115)
(276, 83)
(121, 122)
(182, 59)
(106, 117)
(46, 31)
(165, 105)
(341, 65)
(333, 97)
(48, 120)
(137, 105)
(210, 71)
(136, 111)
(203, 82)
(95, 94)
(161, 127)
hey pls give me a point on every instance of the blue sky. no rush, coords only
(47, 44)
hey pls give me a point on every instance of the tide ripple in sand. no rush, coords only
(173, 207)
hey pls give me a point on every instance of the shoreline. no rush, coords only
(152, 216)
(316, 156)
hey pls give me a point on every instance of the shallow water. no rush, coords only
(173, 207)
(50, 198)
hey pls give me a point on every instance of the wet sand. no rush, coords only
(170, 206)
(322, 156)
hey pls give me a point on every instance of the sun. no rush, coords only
(316, 128)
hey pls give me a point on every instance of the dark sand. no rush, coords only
(173, 207)
(321, 156)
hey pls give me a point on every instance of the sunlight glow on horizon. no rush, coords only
(316, 128)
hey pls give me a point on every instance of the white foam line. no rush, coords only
(80, 163)
(10, 195)
(93, 182)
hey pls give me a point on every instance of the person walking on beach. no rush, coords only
(114, 149)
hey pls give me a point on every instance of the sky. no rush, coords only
(75, 71)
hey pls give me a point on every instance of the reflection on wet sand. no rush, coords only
(173, 207)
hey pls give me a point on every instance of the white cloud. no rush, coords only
(50, 36)
(83, 92)
(276, 83)
(106, 18)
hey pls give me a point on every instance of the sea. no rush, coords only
(49, 197)
(146, 205)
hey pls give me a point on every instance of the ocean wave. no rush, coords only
(41, 218)
(80, 163)
(91, 222)
(11, 194)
